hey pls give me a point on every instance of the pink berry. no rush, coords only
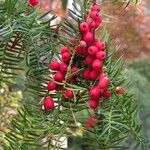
(89, 60)
(96, 8)
(88, 37)
(63, 67)
(48, 103)
(106, 94)
(54, 65)
(101, 55)
(93, 104)
(100, 45)
(94, 74)
(97, 64)
(94, 15)
(84, 27)
(58, 76)
(92, 50)
(94, 92)
(86, 74)
(33, 2)
(91, 23)
(68, 94)
(64, 49)
(66, 57)
(82, 44)
(103, 83)
(51, 86)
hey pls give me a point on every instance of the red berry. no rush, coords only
(100, 45)
(97, 24)
(94, 74)
(88, 37)
(92, 121)
(48, 103)
(54, 65)
(94, 92)
(68, 94)
(96, 8)
(97, 64)
(80, 50)
(103, 75)
(107, 94)
(120, 90)
(93, 104)
(33, 2)
(84, 27)
(91, 23)
(94, 15)
(88, 125)
(89, 60)
(74, 70)
(86, 74)
(92, 50)
(63, 67)
(58, 76)
(101, 55)
(64, 49)
(66, 57)
(103, 83)
(51, 85)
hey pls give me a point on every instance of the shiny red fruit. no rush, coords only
(88, 37)
(100, 45)
(51, 86)
(84, 27)
(64, 49)
(89, 60)
(96, 8)
(33, 2)
(101, 55)
(86, 74)
(91, 23)
(58, 76)
(94, 15)
(92, 50)
(68, 94)
(97, 64)
(66, 57)
(94, 74)
(103, 83)
(54, 65)
(63, 67)
(107, 94)
(80, 50)
(94, 92)
(48, 103)
(93, 104)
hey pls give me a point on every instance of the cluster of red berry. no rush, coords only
(93, 52)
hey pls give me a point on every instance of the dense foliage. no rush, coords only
(28, 44)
